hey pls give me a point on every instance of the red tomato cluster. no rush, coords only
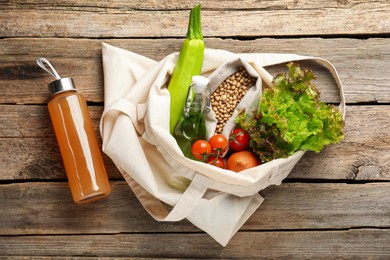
(213, 151)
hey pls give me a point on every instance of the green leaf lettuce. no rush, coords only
(290, 117)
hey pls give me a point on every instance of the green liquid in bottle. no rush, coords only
(192, 126)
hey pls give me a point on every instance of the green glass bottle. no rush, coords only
(192, 125)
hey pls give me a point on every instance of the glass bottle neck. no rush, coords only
(196, 106)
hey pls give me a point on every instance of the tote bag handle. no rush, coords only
(187, 201)
(263, 60)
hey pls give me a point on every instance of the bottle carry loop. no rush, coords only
(60, 84)
(42, 62)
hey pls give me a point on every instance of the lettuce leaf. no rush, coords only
(290, 117)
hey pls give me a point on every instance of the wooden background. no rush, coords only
(335, 204)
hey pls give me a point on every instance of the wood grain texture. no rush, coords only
(152, 5)
(333, 205)
(364, 154)
(33, 121)
(37, 159)
(27, 141)
(28, 148)
(362, 64)
(76, 20)
(350, 244)
(47, 208)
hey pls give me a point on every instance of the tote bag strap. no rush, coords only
(184, 205)
(190, 197)
(135, 112)
(269, 59)
(258, 61)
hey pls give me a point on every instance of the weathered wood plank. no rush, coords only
(106, 22)
(351, 244)
(123, 5)
(28, 148)
(47, 208)
(362, 64)
(37, 158)
(50, 210)
(32, 121)
(363, 155)
(296, 220)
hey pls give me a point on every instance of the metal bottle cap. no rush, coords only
(60, 84)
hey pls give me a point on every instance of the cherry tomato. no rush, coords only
(219, 144)
(201, 149)
(216, 161)
(238, 139)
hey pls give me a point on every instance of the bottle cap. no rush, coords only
(60, 84)
(200, 83)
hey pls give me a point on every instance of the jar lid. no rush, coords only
(60, 84)
(200, 83)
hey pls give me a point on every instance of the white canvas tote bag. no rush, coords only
(135, 133)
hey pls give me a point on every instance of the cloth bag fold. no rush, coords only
(135, 131)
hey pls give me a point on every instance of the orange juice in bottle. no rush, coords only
(76, 138)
